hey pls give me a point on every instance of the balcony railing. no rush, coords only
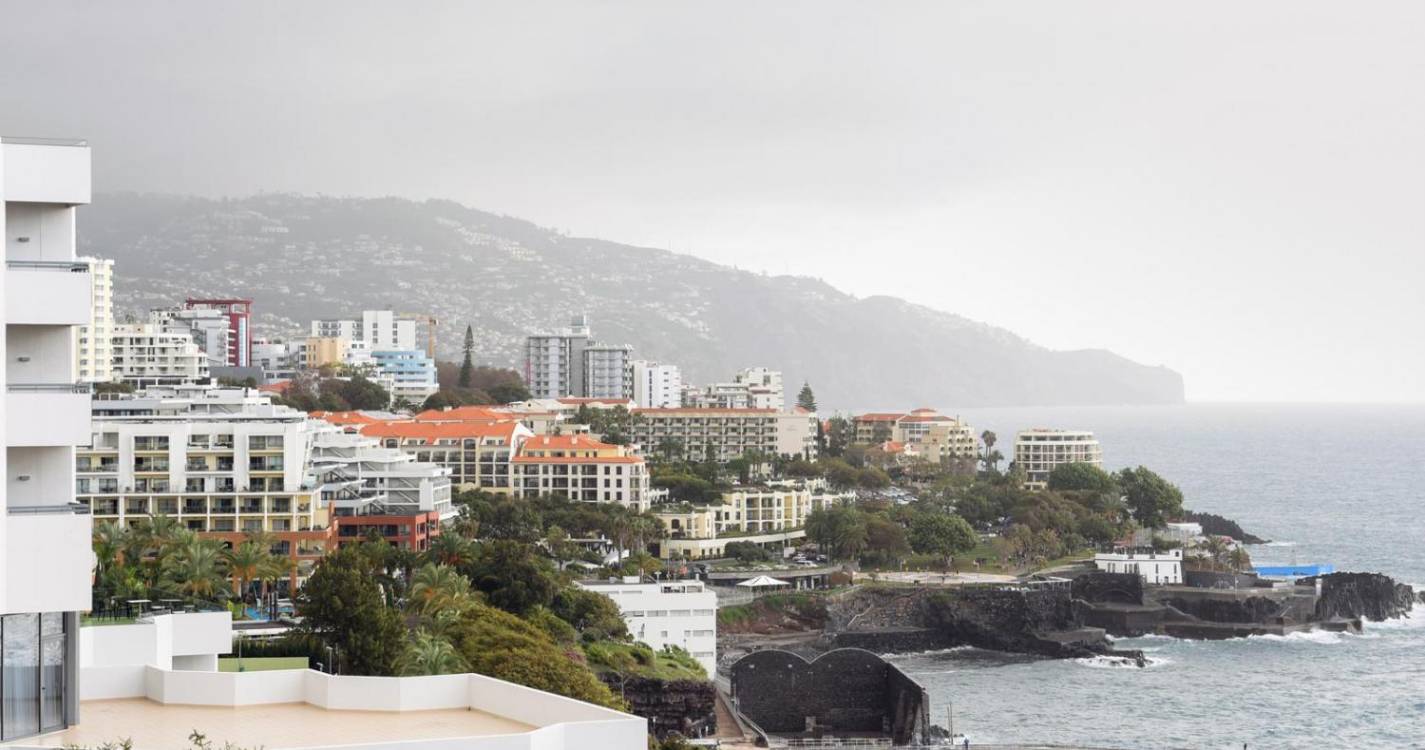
(48, 265)
(85, 388)
(34, 510)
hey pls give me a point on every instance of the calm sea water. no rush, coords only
(1337, 484)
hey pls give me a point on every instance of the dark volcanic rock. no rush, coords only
(682, 706)
(1370, 595)
(1099, 587)
(1256, 609)
(1214, 525)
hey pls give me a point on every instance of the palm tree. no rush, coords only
(990, 457)
(436, 589)
(109, 540)
(450, 549)
(196, 570)
(430, 654)
(245, 563)
(1216, 547)
(1239, 559)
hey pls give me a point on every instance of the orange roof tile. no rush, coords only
(523, 459)
(883, 416)
(279, 386)
(464, 414)
(566, 442)
(343, 417)
(438, 430)
(698, 412)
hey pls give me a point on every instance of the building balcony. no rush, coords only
(52, 293)
(46, 170)
(48, 548)
(47, 415)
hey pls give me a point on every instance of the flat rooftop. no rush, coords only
(158, 726)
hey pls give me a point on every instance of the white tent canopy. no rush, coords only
(763, 582)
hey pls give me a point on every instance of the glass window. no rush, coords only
(20, 689)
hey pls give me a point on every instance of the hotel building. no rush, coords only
(222, 462)
(373, 489)
(45, 557)
(725, 434)
(1039, 450)
(772, 515)
(147, 355)
(478, 454)
(92, 347)
(656, 386)
(581, 469)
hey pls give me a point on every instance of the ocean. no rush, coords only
(1331, 483)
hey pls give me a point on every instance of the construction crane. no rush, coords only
(430, 322)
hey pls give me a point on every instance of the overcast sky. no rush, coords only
(1235, 190)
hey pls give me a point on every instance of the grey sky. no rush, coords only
(1236, 190)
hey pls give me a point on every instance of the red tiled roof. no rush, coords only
(697, 412)
(523, 459)
(566, 442)
(343, 417)
(279, 386)
(437, 430)
(892, 446)
(464, 414)
(882, 416)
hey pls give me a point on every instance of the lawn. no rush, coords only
(261, 663)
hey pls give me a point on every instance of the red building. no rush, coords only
(239, 312)
(412, 532)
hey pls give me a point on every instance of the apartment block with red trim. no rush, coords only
(583, 470)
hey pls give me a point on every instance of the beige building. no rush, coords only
(581, 469)
(1039, 450)
(773, 515)
(147, 355)
(94, 356)
(725, 434)
(321, 351)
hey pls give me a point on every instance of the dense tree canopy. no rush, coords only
(1151, 498)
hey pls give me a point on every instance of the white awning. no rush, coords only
(763, 582)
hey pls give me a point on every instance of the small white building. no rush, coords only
(1164, 567)
(655, 385)
(667, 613)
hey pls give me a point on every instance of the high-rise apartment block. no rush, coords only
(238, 313)
(380, 330)
(93, 354)
(146, 355)
(656, 386)
(608, 371)
(45, 558)
(209, 328)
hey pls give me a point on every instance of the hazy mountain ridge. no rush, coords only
(306, 257)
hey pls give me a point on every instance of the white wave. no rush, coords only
(1121, 662)
(1413, 621)
(1279, 544)
(1322, 637)
(932, 652)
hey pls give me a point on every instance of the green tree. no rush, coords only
(885, 542)
(991, 457)
(437, 590)
(1081, 477)
(1151, 499)
(591, 613)
(194, 568)
(941, 534)
(503, 646)
(512, 576)
(430, 654)
(839, 434)
(806, 399)
(342, 605)
(467, 364)
(747, 552)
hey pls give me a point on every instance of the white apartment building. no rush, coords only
(773, 515)
(220, 461)
(725, 434)
(1154, 567)
(45, 557)
(277, 359)
(607, 372)
(750, 388)
(554, 362)
(361, 477)
(208, 328)
(146, 355)
(93, 354)
(656, 386)
(379, 329)
(1039, 450)
(667, 613)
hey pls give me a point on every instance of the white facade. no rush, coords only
(145, 354)
(725, 434)
(378, 329)
(751, 388)
(45, 557)
(607, 373)
(668, 613)
(1153, 567)
(207, 327)
(93, 356)
(554, 362)
(1040, 450)
(656, 386)
(361, 477)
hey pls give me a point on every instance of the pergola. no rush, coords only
(764, 583)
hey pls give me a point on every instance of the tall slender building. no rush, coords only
(239, 316)
(554, 362)
(93, 357)
(45, 553)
